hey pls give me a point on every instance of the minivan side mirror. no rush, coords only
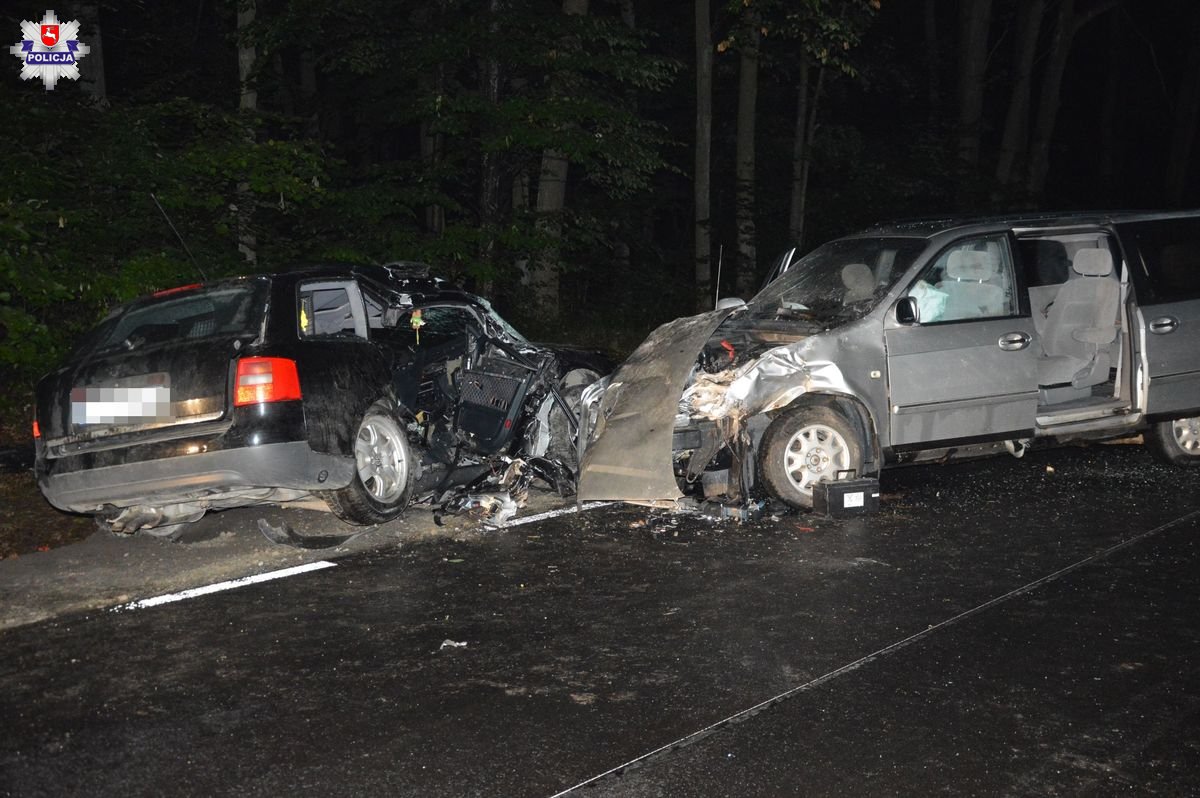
(729, 302)
(907, 311)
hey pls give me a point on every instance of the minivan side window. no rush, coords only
(1169, 251)
(971, 279)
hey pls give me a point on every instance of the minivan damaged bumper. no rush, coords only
(631, 456)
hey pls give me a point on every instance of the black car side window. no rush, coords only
(331, 309)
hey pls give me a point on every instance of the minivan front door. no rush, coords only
(967, 369)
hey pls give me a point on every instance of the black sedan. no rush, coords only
(352, 383)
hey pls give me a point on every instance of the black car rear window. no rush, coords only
(217, 311)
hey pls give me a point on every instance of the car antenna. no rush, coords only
(171, 224)
(720, 257)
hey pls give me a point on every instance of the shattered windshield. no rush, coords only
(838, 282)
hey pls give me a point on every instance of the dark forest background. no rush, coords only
(586, 164)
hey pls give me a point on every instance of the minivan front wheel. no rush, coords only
(805, 446)
(385, 472)
(1176, 442)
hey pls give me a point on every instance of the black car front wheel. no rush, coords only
(385, 472)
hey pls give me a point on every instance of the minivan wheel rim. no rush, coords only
(1187, 434)
(814, 453)
(381, 465)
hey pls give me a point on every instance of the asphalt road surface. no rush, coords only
(1001, 628)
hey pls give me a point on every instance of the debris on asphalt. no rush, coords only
(452, 644)
(495, 497)
(285, 535)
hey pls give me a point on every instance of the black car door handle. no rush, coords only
(1014, 341)
(1163, 325)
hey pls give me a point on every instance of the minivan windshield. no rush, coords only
(838, 282)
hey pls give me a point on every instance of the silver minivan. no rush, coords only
(910, 342)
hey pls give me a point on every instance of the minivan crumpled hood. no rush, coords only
(631, 458)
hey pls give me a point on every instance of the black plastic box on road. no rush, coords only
(846, 497)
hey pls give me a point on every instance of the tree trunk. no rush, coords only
(1066, 26)
(1015, 143)
(747, 268)
(1187, 112)
(1110, 111)
(308, 94)
(551, 200)
(489, 168)
(933, 77)
(628, 16)
(975, 20)
(808, 100)
(433, 147)
(91, 69)
(703, 164)
(248, 106)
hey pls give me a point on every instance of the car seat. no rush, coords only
(1081, 325)
(859, 281)
(970, 285)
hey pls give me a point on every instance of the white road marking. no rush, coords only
(555, 513)
(219, 586)
(882, 652)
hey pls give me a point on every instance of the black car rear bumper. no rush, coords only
(173, 479)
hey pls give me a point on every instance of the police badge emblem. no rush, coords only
(50, 50)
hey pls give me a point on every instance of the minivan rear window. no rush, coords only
(220, 311)
(1169, 250)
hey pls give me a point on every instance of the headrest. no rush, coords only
(859, 281)
(1092, 262)
(967, 264)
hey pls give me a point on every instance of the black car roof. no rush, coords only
(929, 227)
(402, 278)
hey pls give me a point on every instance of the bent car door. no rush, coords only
(1165, 266)
(967, 369)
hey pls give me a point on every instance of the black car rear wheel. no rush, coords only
(385, 472)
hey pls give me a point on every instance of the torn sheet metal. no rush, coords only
(631, 457)
(771, 381)
(494, 498)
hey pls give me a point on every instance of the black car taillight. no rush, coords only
(265, 379)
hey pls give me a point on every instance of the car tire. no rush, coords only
(562, 439)
(804, 446)
(1176, 442)
(385, 471)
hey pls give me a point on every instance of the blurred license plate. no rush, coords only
(145, 400)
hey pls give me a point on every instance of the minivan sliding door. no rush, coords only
(1165, 266)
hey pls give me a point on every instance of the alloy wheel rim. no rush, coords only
(1187, 434)
(382, 468)
(814, 453)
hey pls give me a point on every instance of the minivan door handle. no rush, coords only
(1014, 341)
(1163, 325)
